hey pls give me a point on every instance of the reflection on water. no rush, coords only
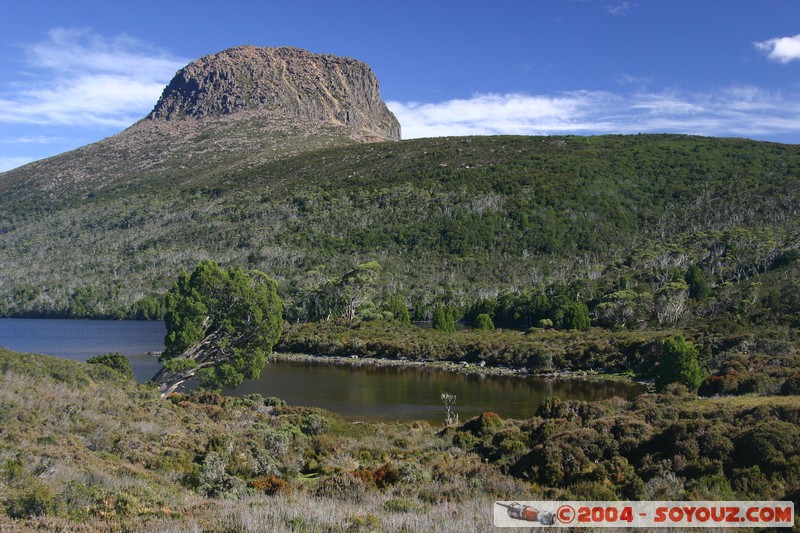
(396, 393)
(363, 393)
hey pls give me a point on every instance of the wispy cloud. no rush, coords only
(738, 111)
(781, 49)
(32, 139)
(619, 9)
(77, 77)
(7, 163)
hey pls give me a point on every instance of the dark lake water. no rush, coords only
(358, 393)
(397, 393)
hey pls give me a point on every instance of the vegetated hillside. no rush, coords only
(605, 220)
(84, 449)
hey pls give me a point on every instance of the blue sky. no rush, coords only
(75, 72)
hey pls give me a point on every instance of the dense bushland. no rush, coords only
(536, 351)
(635, 227)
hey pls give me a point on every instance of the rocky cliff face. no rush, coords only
(287, 81)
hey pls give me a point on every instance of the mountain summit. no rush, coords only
(288, 81)
(223, 113)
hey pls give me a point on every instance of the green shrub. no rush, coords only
(443, 319)
(488, 422)
(576, 316)
(272, 401)
(698, 286)
(484, 322)
(32, 501)
(791, 386)
(114, 361)
(768, 445)
(679, 364)
(314, 424)
(714, 487)
(757, 383)
(112, 504)
(751, 482)
(591, 490)
(213, 480)
(484, 424)
(464, 440)
(402, 505)
(364, 522)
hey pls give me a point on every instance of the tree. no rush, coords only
(399, 309)
(148, 308)
(443, 319)
(220, 324)
(671, 301)
(484, 322)
(488, 306)
(357, 287)
(114, 361)
(679, 364)
(698, 286)
(576, 316)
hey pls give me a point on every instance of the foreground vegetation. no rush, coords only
(84, 448)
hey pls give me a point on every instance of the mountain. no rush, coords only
(288, 162)
(287, 81)
(223, 112)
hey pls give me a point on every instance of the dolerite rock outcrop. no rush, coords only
(289, 81)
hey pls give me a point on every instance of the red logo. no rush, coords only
(565, 514)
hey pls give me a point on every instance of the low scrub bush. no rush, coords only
(269, 485)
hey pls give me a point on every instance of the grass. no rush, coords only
(747, 401)
(294, 512)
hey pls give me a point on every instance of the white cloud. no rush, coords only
(738, 111)
(619, 9)
(486, 114)
(80, 78)
(32, 139)
(79, 50)
(781, 49)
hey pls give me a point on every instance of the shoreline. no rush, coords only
(461, 367)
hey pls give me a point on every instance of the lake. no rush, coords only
(82, 339)
(355, 392)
